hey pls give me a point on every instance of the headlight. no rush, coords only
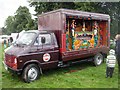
(15, 64)
(15, 61)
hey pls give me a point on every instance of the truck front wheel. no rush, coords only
(98, 59)
(30, 73)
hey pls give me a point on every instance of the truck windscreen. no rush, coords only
(26, 38)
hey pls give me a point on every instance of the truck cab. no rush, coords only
(33, 51)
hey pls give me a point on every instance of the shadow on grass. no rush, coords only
(69, 69)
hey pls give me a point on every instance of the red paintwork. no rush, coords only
(63, 43)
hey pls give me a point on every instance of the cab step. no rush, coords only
(61, 64)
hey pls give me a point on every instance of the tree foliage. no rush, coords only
(84, 6)
(21, 21)
(49, 6)
(9, 25)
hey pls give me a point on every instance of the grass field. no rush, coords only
(1, 67)
(82, 75)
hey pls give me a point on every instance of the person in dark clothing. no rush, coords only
(11, 39)
(5, 43)
(117, 48)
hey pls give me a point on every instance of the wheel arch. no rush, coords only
(104, 55)
(32, 62)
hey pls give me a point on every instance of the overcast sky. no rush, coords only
(9, 7)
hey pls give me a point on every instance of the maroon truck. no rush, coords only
(63, 37)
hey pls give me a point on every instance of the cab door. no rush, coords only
(48, 52)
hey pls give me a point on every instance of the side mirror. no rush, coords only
(42, 40)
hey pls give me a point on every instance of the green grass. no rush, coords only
(0, 67)
(82, 75)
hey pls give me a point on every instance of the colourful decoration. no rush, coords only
(77, 44)
(95, 28)
(79, 17)
(91, 41)
(81, 39)
(68, 37)
(73, 25)
(67, 41)
(85, 44)
(73, 40)
(83, 29)
(101, 36)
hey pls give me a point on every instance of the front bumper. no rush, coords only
(18, 71)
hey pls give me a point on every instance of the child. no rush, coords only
(5, 43)
(110, 61)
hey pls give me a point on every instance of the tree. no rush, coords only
(49, 6)
(84, 6)
(9, 25)
(21, 21)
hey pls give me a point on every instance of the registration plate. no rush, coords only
(5, 66)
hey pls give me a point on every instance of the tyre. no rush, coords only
(30, 73)
(98, 59)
